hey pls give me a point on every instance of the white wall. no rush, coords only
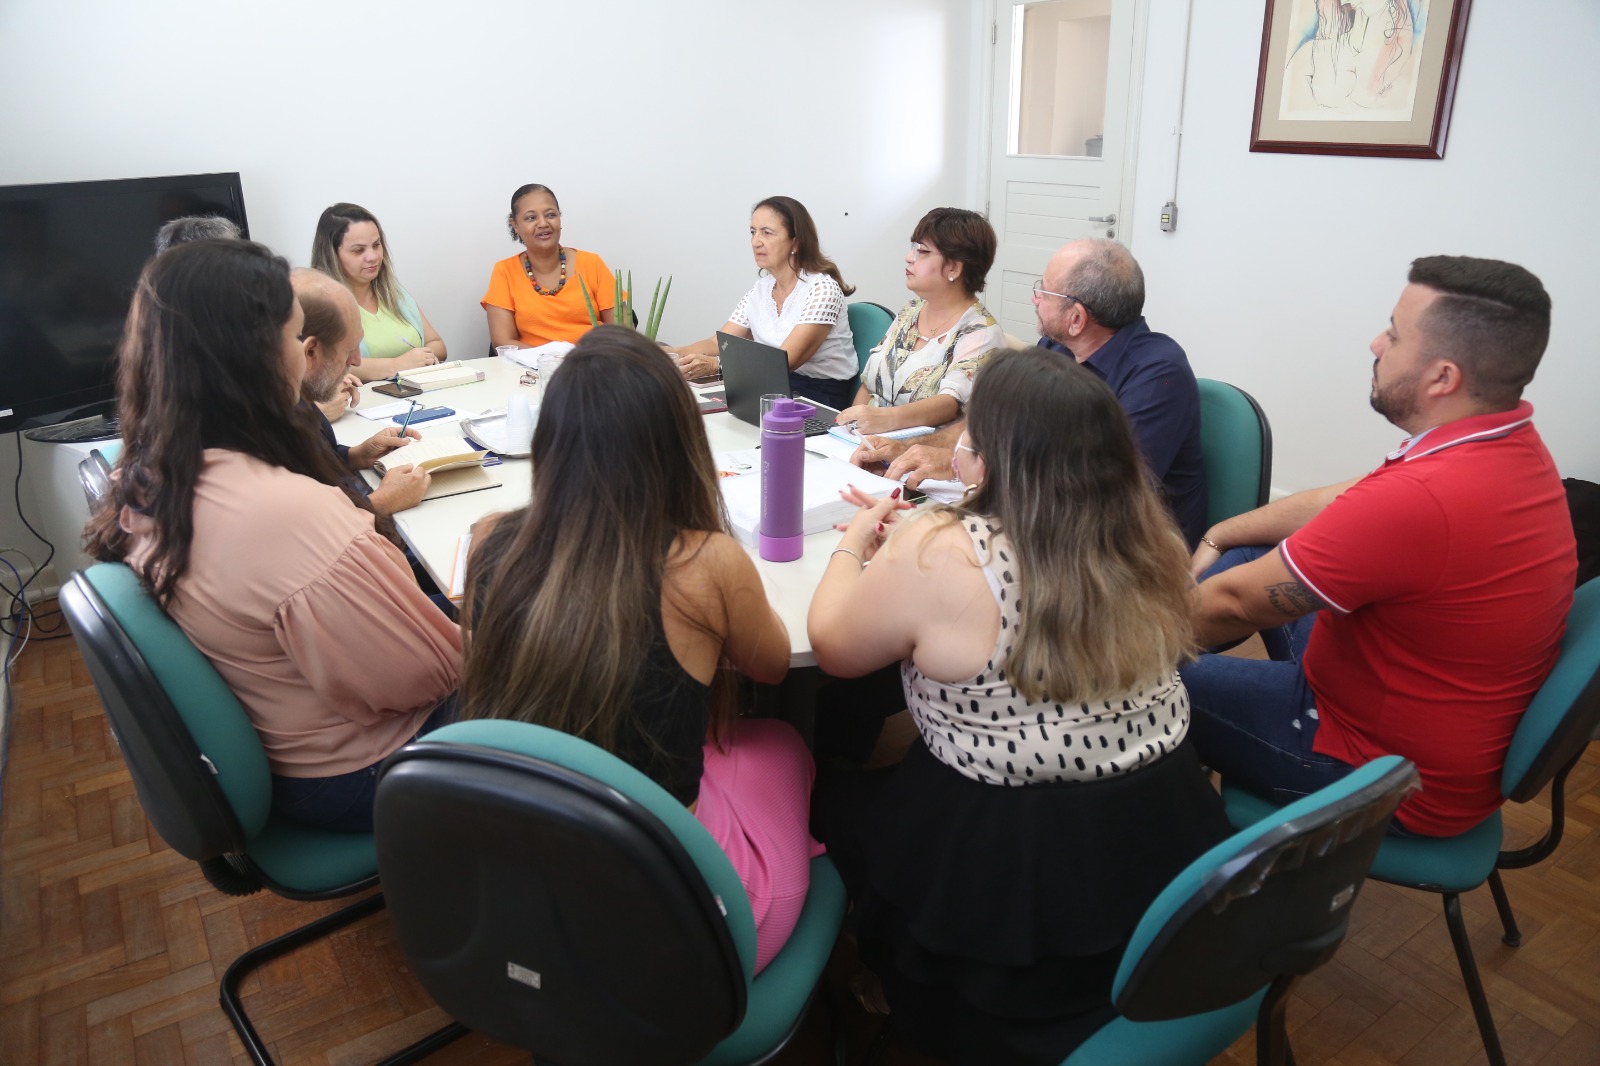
(1283, 267)
(657, 124)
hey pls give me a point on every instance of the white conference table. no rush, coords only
(434, 527)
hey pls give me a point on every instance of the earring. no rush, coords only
(952, 277)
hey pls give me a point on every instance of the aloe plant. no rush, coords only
(622, 301)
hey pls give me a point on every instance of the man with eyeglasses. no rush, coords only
(1090, 304)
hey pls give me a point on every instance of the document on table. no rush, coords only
(385, 411)
(529, 357)
(739, 477)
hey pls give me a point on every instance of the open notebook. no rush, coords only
(434, 454)
(456, 465)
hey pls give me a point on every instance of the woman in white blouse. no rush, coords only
(921, 373)
(797, 304)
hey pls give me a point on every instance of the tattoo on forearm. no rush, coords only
(1293, 599)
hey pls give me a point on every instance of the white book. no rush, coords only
(825, 477)
(440, 376)
(458, 576)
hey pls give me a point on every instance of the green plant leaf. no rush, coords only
(594, 319)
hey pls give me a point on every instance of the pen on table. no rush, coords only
(409, 412)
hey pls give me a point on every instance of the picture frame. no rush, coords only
(1361, 77)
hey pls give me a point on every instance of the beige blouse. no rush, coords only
(311, 617)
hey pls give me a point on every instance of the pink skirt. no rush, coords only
(755, 801)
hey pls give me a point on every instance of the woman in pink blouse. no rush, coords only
(231, 509)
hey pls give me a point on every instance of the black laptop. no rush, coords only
(751, 370)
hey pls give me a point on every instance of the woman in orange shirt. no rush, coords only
(535, 297)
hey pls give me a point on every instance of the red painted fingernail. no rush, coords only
(895, 495)
(880, 527)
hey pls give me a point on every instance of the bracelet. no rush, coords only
(1213, 545)
(848, 552)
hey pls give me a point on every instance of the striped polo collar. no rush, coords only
(1463, 430)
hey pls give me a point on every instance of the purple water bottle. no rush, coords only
(783, 460)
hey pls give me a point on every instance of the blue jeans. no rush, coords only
(1254, 721)
(343, 802)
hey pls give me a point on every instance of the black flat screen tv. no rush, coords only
(70, 255)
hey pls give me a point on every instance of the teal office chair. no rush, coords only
(1224, 942)
(1548, 743)
(868, 323)
(550, 896)
(1236, 450)
(202, 777)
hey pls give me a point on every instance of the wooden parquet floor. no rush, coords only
(112, 945)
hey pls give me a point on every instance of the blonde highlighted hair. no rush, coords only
(331, 229)
(1102, 568)
(562, 594)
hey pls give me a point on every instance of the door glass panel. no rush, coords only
(1059, 55)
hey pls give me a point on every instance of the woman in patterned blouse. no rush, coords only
(921, 373)
(999, 870)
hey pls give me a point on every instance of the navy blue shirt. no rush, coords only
(341, 450)
(1153, 382)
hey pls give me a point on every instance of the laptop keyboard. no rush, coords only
(816, 427)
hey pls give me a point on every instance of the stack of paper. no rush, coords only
(825, 478)
(529, 357)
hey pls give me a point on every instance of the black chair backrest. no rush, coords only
(551, 912)
(1273, 900)
(175, 784)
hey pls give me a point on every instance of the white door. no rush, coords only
(1062, 132)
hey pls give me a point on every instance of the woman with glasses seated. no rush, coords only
(796, 304)
(627, 632)
(997, 873)
(239, 520)
(921, 373)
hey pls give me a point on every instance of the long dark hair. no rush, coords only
(563, 594)
(199, 367)
(1103, 569)
(807, 246)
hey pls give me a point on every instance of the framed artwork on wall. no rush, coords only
(1358, 77)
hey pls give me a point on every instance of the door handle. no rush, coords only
(1110, 220)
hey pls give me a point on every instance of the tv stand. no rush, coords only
(77, 431)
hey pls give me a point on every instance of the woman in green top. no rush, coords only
(350, 246)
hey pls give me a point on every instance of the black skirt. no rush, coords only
(996, 916)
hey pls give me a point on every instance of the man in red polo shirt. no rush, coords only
(1414, 611)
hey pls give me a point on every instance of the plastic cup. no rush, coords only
(519, 422)
(549, 363)
(508, 355)
(768, 399)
